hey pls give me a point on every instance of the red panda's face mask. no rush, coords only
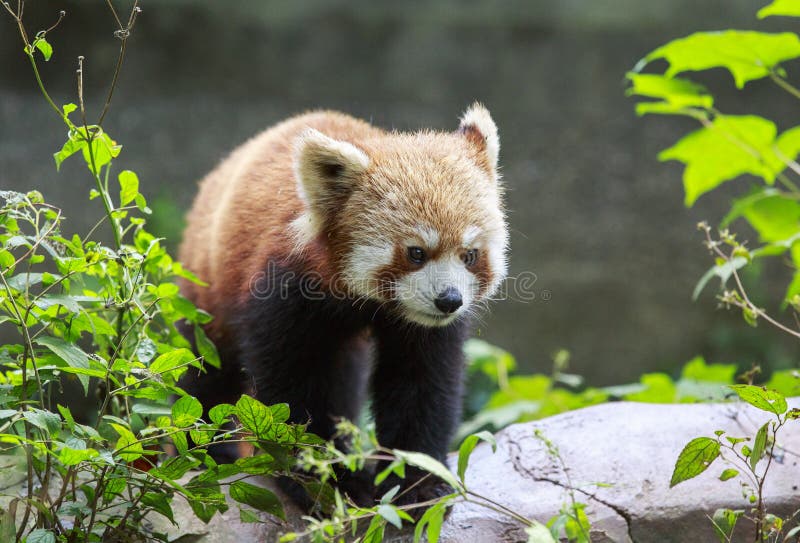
(412, 220)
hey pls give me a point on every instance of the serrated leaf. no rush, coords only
(128, 448)
(220, 413)
(44, 420)
(786, 8)
(731, 146)
(468, 445)
(185, 411)
(254, 415)
(694, 459)
(258, 497)
(762, 398)
(746, 54)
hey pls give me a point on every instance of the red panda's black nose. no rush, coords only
(448, 300)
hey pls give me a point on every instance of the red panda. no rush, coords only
(341, 257)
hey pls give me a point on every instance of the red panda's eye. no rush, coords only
(470, 257)
(416, 255)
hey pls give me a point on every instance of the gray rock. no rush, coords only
(630, 448)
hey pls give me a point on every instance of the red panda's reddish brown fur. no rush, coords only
(407, 236)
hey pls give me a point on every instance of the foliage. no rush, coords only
(749, 459)
(727, 147)
(518, 398)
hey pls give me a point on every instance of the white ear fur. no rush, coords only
(325, 167)
(477, 119)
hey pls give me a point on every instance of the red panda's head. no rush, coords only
(412, 219)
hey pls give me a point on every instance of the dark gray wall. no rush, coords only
(593, 214)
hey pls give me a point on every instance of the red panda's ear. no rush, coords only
(325, 168)
(479, 129)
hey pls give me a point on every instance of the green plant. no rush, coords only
(749, 459)
(724, 148)
(104, 315)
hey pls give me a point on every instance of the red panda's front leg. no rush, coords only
(417, 395)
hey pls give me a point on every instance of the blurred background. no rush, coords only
(593, 213)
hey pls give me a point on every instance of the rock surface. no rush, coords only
(630, 448)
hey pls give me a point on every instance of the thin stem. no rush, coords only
(785, 85)
(123, 33)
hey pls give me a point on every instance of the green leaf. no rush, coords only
(206, 347)
(70, 147)
(731, 146)
(538, 533)
(74, 452)
(724, 521)
(429, 464)
(729, 473)
(44, 420)
(723, 271)
(103, 150)
(759, 444)
(174, 468)
(786, 8)
(129, 187)
(390, 514)
(468, 445)
(44, 47)
(40, 536)
(260, 464)
(432, 520)
(68, 352)
(221, 413)
(698, 369)
(171, 360)
(677, 94)
(694, 459)
(254, 415)
(186, 411)
(762, 398)
(747, 55)
(128, 448)
(774, 216)
(258, 497)
(160, 503)
(375, 530)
